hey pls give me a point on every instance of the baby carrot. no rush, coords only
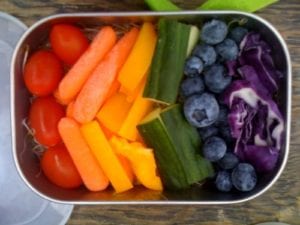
(70, 109)
(94, 91)
(58, 98)
(91, 173)
(73, 81)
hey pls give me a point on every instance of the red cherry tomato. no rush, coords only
(44, 116)
(68, 42)
(59, 168)
(42, 73)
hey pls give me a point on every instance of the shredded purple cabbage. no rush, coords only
(263, 158)
(254, 57)
(256, 52)
(255, 122)
(254, 118)
(252, 40)
(249, 73)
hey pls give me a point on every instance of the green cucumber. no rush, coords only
(154, 133)
(193, 39)
(162, 5)
(176, 147)
(240, 5)
(167, 65)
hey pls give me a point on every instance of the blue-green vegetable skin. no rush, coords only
(167, 65)
(177, 147)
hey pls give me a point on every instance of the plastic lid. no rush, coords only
(18, 204)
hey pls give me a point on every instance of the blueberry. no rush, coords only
(206, 53)
(223, 116)
(225, 132)
(228, 50)
(244, 177)
(214, 32)
(193, 66)
(223, 181)
(215, 78)
(237, 34)
(229, 161)
(206, 132)
(214, 148)
(192, 85)
(201, 110)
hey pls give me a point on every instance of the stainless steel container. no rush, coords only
(28, 164)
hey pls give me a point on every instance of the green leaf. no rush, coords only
(162, 5)
(242, 5)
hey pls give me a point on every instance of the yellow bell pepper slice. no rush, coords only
(114, 111)
(142, 161)
(140, 108)
(131, 96)
(139, 59)
(106, 157)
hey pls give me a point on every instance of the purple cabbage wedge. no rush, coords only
(263, 158)
(256, 123)
(257, 53)
(248, 73)
(253, 40)
(254, 118)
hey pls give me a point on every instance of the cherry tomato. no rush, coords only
(59, 168)
(68, 42)
(42, 73)
(44, 115)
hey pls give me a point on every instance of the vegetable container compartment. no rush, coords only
(27, 161)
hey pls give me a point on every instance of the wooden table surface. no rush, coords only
(280, 203)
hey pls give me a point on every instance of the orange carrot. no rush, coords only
(82, 69)
(58, 98)
(91, 173)
(70, 109)
(94, 91)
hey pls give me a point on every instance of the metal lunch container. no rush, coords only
(28, 164)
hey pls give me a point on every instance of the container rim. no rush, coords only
(156, 14)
